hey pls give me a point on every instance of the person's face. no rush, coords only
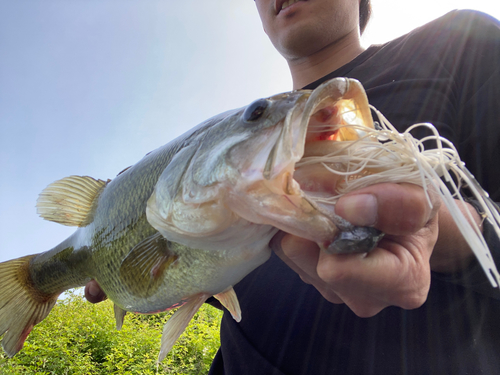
(307, 26)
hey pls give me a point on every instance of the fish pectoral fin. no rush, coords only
(70, 201)
(230, 301)
(119, 316)
(178, 323)
(142, 269)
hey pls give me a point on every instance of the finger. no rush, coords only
(302, 252)
(355, 271)
(397, 209)
(94, 293)
(387, 276)
(301, 256)
(344, 274)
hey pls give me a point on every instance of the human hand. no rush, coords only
(395, 273)
(94, 293)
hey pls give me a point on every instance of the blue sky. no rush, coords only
(88, 87)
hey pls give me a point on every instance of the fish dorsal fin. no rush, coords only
(178, 323)
(142, 269)
(119, 316)
(70, 201)
(230, 301)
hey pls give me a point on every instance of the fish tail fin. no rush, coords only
(21, 304)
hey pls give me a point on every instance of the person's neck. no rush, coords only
(310, 68)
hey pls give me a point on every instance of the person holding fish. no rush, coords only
(378, 260)
(428, 311)
(418, 303)
(409, 81)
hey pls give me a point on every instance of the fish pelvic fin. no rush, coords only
(178, 323)
(70, 201)
(21, 305)
(119, 316)
(230, 301)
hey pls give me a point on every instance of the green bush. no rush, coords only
(80, 338)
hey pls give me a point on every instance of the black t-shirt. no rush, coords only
(447, 73)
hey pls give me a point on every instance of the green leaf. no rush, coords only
(79, 338)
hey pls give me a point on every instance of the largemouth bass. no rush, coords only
(192, 218)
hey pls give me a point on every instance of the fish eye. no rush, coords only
(255, 110)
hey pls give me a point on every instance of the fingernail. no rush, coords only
(360, 209)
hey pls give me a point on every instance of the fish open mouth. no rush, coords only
(336, 115)
(335, 112)
(319, 128)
